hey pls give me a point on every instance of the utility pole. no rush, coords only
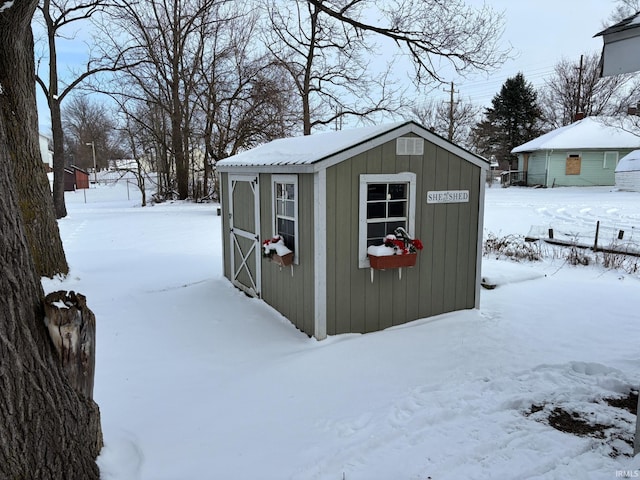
(451, 110)
(579, 88)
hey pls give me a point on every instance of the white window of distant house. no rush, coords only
(285, 210)
(610, 160)
(386, 203)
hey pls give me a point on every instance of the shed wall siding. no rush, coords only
(448, 231)
(290, 289)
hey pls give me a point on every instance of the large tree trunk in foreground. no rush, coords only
(47, 430)
(18, 107)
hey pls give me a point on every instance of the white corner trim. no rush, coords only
(483, 182)
(320, 255)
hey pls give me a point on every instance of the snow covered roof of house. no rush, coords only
(629, 163)
(311, 149)
(590, 133)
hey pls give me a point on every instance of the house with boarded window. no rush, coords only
(326, 199)
(584, 153)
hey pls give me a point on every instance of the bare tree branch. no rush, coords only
(430, 31)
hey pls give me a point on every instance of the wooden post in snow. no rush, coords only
(72, 328)
(595, 242)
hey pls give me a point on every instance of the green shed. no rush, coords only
(330, 196)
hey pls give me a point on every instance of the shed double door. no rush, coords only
(244, 223)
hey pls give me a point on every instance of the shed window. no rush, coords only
(386, 203)
(285, 209)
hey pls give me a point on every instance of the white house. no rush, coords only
(46, 153)
(620, 50)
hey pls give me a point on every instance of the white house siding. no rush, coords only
(45, 153)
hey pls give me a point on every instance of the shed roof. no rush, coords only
(305, 151)
(590, 133)
(629, 163)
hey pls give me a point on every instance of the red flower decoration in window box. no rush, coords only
(398, 251)
(275, 249)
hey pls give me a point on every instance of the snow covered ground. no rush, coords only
(197, 381)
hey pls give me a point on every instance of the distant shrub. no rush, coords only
(512, 246)
(620, 261)
(577, 256)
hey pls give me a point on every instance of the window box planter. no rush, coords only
(385, 262)
(284, 260)
(277, 252)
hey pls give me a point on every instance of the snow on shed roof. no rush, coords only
(629, 163)
(307, 150)
(590, 133)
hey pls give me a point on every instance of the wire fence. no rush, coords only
(598, 237)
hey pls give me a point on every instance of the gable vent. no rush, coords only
(409, 146)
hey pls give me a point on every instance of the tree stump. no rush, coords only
(72, 328)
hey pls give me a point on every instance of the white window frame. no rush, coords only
(616, 156)
(365, 179)
(286, 179)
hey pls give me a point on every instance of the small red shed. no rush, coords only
(75, 179)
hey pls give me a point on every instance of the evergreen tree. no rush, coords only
(513, 119)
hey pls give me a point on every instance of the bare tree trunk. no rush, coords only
(17, 105)
(177, 145)
(48, 431)
(58, 158)
(53, 97)
(306, 83)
